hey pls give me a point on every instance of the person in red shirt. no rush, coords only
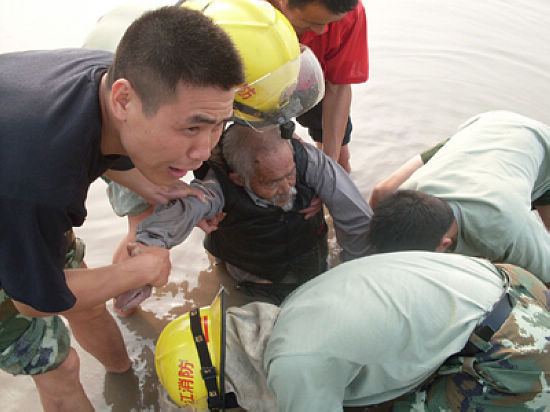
(336, 31)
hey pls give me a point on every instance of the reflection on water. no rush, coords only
(433, 64)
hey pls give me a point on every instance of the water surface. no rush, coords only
(433, 65)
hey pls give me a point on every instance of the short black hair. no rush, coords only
(409, 220)
(170, 45)
(335, 6)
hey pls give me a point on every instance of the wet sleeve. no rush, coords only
(350, 211)
(171, 224)
(32, 255)
(309, 383)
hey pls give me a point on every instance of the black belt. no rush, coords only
(492, 322)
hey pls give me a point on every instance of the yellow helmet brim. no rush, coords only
(276, 107)
(180, 367)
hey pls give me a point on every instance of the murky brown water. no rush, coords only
(433, 64)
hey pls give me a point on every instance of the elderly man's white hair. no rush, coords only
(242, 145)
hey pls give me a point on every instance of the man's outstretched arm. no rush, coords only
(94, 286)
(171, 224)
(397, 178)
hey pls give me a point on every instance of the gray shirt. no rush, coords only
(170, 224)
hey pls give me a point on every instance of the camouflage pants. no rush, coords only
(31, 346)
(510, 372)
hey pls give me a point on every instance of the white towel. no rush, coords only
(248, 329)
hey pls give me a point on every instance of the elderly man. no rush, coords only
(261, 182)
(67, 116)
(491, 173)
(282, 80)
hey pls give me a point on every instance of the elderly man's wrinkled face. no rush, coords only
(275, 176)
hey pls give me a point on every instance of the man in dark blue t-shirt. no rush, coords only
(66, 117)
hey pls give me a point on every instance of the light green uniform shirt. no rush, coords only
(375, 328)
(490, 171)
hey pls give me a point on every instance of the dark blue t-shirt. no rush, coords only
(50, 137)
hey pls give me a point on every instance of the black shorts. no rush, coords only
(542, 200)
(313, 121)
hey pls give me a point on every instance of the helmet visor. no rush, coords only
(279, 96)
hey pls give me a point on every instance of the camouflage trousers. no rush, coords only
(31, 346)
(511, 371)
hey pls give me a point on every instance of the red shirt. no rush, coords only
(342, 48)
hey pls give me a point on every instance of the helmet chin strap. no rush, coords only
(208, 371)
(287, 127)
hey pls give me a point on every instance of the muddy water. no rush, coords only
(433, 64)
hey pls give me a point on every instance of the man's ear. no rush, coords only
(236, 178)
(444, 244)
(121, 93)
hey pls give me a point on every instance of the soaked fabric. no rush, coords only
(42, 347)
(123, 201)
(31, 346)
(248, 329)
(75, 252)
(12, 323)
(510, 372)
(132, 298)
